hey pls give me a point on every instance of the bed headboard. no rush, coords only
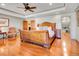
(49, 24)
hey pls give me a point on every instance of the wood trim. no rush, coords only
(25, 25)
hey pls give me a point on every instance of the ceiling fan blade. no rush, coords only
(31, 10)
(32, 7)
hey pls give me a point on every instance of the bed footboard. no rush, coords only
(37, 37)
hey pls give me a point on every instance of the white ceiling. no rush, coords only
(41, 7)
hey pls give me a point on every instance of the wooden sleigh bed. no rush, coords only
(39, 37)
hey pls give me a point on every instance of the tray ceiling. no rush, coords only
(41, 7)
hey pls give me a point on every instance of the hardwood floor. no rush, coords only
(60, 47)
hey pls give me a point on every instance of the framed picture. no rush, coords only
(4, 22)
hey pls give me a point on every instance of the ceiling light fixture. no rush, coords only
(3, 4)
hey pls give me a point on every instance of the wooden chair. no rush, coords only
(12, 32)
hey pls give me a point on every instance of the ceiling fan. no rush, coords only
(27, 7)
